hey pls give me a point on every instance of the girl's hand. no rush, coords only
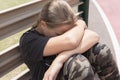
(52, 71)
(81, 22)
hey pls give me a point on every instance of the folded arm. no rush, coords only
(89, 39)
(69, 40)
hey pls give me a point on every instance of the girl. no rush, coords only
(57, 47)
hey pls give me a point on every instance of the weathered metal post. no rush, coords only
(85, 8)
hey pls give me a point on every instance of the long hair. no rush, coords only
(57, 12)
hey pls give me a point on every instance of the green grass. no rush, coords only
(4, 4)
(8, 42)
(14, 73)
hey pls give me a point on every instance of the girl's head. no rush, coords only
(56, 15)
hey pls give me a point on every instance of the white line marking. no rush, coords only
(115, 43)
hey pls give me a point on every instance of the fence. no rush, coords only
(21, 17)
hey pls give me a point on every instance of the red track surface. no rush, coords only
(112, 11)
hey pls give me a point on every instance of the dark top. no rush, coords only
(32, 45)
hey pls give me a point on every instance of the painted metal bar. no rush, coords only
(84, 7)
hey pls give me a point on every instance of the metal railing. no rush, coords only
(16, 19)
(85, 9)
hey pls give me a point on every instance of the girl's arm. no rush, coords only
(67, 41)
(90, 38)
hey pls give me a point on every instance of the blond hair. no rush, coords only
(57, 12)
